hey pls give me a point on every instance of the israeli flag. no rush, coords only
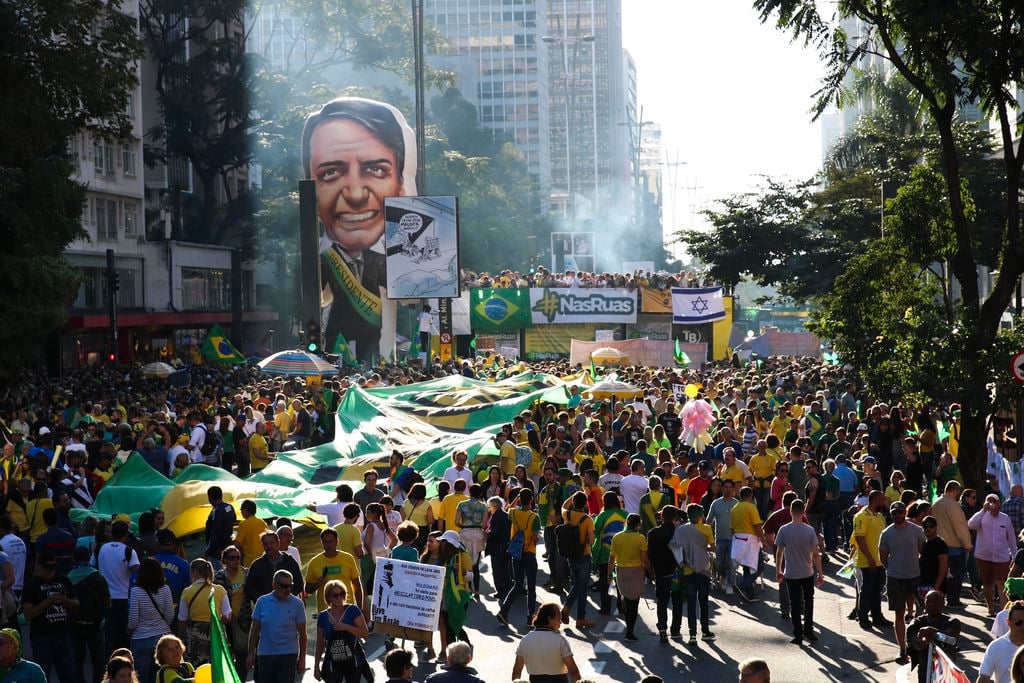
(693, 306)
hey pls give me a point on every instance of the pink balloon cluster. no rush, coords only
(697, 416)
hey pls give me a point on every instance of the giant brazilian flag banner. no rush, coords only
(425, 421)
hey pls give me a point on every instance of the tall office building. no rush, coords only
(495, 49)
(590, 150)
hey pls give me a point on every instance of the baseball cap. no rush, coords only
(453, 538)
(862, 427)
(868, 460)
(43, 431)
(897, 506)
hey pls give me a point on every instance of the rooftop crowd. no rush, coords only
(542, 277)
(587, 508)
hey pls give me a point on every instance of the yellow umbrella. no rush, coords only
(611, 388)
(606, 355)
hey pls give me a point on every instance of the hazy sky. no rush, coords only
(732, 96)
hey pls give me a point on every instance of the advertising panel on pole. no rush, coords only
(343, 135)
(549, 306)
(576, 250)
(406, 595)
(695, 306)
(422, 247)
(499, 310)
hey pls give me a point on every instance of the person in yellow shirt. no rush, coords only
(868, 525)
(449, 505)
(259, 451)
(762, 470)
(34, 511)
(629, 556)
(734, 469)
(780, 424)
(746, 542)
(506, 454)
(333, 564)
(247, 536)
(350, 539)
(282, 424)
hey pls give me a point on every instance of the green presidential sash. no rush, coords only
(366, 303)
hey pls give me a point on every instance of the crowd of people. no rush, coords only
(542, 277)
(806, 473)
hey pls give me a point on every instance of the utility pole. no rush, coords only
(421, 118)
(113, 284)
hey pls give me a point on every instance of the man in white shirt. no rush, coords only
(634, 486)
(639, 406)
(459, 470)
(181, 446)
(116, 562)
(12, 544)
(425, 321)
(995, 665)
(197, 436)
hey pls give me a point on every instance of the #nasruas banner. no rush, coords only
(406, 594)
(557, 305)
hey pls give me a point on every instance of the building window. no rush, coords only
(128, 158)
(92, 293)
(103, 157)
(105, 215)
(205, 289)
(129, 106)
(131, 219)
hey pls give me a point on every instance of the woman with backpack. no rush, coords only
(150, 614)
(522, 548)
(194, 610)
(575, 538)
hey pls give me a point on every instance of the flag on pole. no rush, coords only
(593, 369)
(682, 360)
(414, 347)
(693, 306)
(221, 665)
(218, 349)
(341, 348)
(472, 346)
(943, 670)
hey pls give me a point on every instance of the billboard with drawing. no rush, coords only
(421, 247)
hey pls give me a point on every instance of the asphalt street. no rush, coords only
(844, 652)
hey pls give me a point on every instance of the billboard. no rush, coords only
(421, 247)
(358, 152)
(576, 250)
(582, 306)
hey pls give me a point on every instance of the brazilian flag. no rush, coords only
(457, 595)
(341, 349)
(499, 310)
(682, 360)
(218, 349)
(222, 667)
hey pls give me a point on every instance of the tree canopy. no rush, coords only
(65, 67)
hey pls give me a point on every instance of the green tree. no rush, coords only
(950, 53)
(65, 67)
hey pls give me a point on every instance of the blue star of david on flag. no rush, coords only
(700, 304)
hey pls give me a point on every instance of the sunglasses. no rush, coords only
(282, 585)
(232, 557)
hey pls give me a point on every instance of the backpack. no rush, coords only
(92, 593)
(518, 542)
(213, 446)
(524, 456)
(567, 540)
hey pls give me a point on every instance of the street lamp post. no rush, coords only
(565, 41)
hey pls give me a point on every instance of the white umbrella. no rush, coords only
(157, 370)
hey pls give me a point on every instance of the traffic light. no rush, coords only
(115, 281)
(313, 336)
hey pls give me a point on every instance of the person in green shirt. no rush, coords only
(611, 521)
(405, 550)
(12, 666)
(651, 504)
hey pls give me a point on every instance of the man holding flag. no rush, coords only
(218, 349)
(932, 638)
